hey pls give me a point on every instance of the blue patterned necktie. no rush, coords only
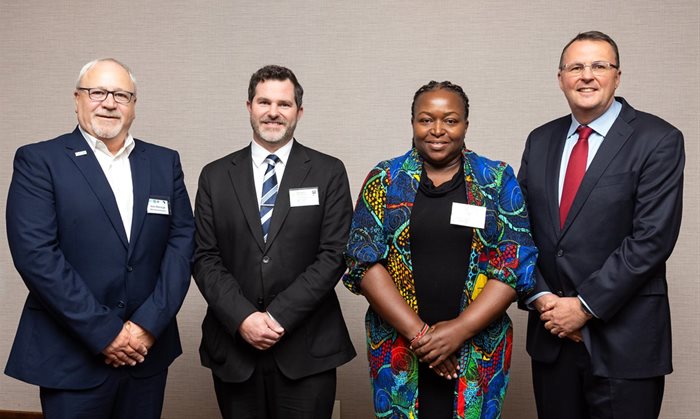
(269, 194)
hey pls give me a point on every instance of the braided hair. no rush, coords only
(434, 85)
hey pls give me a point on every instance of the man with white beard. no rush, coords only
(101, 231)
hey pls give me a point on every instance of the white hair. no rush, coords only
(92, 63)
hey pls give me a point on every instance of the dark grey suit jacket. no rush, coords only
(292, 275)
(612, 251)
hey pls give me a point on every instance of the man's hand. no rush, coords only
(260, 331)
(124, 349)
(442, 340)
(576, 336)
(141, 334)
(564, 316)
(546, 300)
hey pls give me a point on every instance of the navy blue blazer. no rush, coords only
(85, 279)
(612, 251)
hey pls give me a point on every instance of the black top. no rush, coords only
(440, 258)
(439, 250)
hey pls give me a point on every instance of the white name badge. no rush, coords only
(158, 206)
(468, 215)
(303, 197)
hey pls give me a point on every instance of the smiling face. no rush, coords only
(439, 127)
(107, 120)
(273, 113)
(589, 95)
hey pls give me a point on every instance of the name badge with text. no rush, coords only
(303, 197)
(158, 206)
(468, 215)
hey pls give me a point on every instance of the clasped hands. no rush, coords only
(562, 316)
(439, 346)
(130, 347)
(260, 330)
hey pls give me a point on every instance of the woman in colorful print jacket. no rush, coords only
(402, 200)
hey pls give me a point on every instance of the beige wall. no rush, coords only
(360, 62)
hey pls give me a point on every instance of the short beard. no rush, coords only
(104, 132)
(282, 137)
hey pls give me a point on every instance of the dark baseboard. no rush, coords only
(12, 414)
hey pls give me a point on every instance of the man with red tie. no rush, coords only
(604, 190)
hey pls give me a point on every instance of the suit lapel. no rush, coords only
(618, 135)
(294, 174)
(84, 158)
(141, 180)
(554, 152)
(241, 177)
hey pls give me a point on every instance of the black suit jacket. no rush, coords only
(613, 248)
(292, 275)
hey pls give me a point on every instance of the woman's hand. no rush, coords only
(442, 340)
(448, 369)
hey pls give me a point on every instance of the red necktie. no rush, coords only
(574, 172)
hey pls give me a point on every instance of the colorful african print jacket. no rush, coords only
(503, 250)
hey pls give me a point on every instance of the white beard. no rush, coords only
(105, 131)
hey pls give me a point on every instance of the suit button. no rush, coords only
(560, 253)
(260, 302)
(129, 268)
(121, 304)
(560, 293)
(266, 259)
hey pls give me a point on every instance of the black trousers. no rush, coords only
(121, 396)
(268, 394)
(568, 389)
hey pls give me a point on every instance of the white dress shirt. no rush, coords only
(117, 170)
(259, 154)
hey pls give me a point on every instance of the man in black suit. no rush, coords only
(272, 221)
(605, 206)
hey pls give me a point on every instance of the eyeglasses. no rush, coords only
(598, 68)
(98, 95)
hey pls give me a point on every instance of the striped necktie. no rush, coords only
(269, 194)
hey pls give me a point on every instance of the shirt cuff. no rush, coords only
(270, 316)
(529, 301)
(587, 307)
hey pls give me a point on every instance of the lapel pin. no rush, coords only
(80, 153)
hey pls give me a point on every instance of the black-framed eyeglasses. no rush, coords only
(98, 95)
(597, 67)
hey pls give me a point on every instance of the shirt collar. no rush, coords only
(96, 144)
(259, 154)
(600, 125)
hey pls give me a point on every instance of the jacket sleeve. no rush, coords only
(513, 258)
(655, 226)
(367, 243)
(218, 286)
(159, 309)
(539, 284)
